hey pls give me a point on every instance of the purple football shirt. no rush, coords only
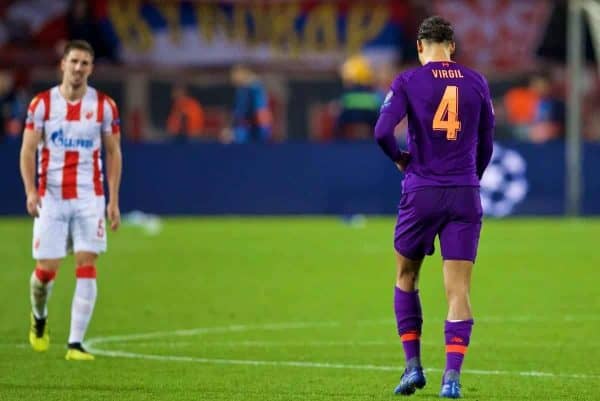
(450, 125)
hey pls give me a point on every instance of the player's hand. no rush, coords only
(33, 203)
(114, 215)
(403, 161)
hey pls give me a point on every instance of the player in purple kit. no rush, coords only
(450, 130)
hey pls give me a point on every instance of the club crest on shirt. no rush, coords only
(89, 115)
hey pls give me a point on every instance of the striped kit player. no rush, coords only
(70, 170)
(68, 125)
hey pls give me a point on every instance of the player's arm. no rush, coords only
(393, 110)
(111, 140)
(114, 162)
(485, 145)
(32, 135)
(31, 138)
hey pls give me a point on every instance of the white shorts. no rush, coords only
(74, 224)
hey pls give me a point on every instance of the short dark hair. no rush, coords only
(78, 45)
(436, 29)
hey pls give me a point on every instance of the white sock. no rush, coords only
(40, 288)
(84, 300)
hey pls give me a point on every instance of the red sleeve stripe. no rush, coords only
(114, 124)
(45, 96)
(100, 112)
(29, 126)
(113, 108)
(34, 103)
(85, 272)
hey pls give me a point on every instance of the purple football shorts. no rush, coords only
(453, 213)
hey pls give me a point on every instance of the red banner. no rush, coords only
(499, 35)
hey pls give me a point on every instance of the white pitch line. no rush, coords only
(325, 365)
(263, 344)
(316, 344)
(210, 330)
(280, 326)
(305, 325)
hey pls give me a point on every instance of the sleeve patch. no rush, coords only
(387, 100)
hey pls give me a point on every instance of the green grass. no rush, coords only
(248, 281)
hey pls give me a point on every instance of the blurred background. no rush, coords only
(268, 107)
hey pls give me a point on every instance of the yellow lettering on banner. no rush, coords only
(284, 38)
(211, 21)
(261, 18)
(240, 27)
(170, 12)
(129, 25)
(363, 24)
(320, 30)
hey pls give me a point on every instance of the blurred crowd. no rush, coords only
(530, 105)
(529, 108)
(535, 109)
(251, 119)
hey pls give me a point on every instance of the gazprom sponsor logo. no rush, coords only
(58, 138)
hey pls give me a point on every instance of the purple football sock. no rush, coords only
(409, 320)
(458, 335)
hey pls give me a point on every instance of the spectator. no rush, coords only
(520, 104)
(252, 120)
(549, 117)
(591, 105)
(13, 107)
(81, 24)
(534, 112)
(186, 118)
(360, 101)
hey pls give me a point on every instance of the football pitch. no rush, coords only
(301, 309)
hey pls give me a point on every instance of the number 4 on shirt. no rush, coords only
(446, 115)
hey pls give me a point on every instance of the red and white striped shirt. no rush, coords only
(69, 160)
